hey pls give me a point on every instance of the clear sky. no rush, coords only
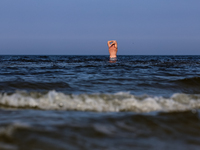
(82, 27)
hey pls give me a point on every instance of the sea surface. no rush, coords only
(91, 103)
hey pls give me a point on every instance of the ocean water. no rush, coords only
(90, 103)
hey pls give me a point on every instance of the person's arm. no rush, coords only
(112, 42)
(109, 43)
(115, 43)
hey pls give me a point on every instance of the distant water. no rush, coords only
(88, 102)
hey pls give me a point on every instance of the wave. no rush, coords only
(194, 81)
(118, 102)
(189, 85)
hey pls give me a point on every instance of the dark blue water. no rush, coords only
(88, 102)
(154, 75)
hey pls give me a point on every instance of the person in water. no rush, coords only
(112, 47)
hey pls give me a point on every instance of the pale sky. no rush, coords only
(83, 27)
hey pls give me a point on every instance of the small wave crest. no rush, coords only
(99, 102)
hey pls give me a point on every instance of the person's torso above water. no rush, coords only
(113, 50)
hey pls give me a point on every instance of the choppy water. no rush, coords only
(87, 102)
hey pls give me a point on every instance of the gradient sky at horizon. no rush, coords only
(82, 27)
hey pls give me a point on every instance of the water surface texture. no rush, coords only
(88, 102)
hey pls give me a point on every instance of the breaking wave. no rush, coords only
(99, 102)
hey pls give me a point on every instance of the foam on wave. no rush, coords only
(100, 102)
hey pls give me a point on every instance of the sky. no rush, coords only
(83, 27)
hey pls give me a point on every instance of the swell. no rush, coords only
(189, 85)
(194, 81)
(73, 129)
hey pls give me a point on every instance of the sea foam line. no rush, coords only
(100, 102)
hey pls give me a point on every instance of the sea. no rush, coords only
(86, 102)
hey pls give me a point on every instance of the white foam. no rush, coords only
(101, 102)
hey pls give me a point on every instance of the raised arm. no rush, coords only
(109, 43)
(115, 43)
(112, 42)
